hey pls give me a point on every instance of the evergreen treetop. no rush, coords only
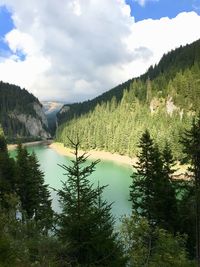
(85, 223)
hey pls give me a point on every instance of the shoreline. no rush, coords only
(34, 143)
(114, 157)
(95, 154)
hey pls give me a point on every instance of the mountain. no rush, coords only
(51, 108)
(175, 61)
(21, 114)
(69, 111)
(164, 99)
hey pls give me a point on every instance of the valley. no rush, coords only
(110, 181)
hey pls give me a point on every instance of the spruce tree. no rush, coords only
(169, 190)
(191, 147)
(7, 173)
(152, 193)
(168, 161)
(108, 249)
(43, 212)
(33, 193)
(142, 192)
(85, 225)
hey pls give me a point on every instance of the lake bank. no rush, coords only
(34, 143)
(116, 176)
(116, 158)
(94, 154)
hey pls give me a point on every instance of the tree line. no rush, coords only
(176, 61)
(166, 97)
(163, 229)
(115, 126)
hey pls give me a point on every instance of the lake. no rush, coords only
(116, 176)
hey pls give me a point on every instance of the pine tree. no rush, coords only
(170, 202)
(191, 143)
(24, 183)
(7, 173)
(149, 91)
(141, 189)
(85, 223)
(152, 194)
(43, 212)
(168, 161)
(110, 253)
(33, 193)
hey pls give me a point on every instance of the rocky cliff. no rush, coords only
(21, 114)
(34, 126)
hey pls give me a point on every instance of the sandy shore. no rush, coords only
(104, 155)
(94, 154)
(35, 143)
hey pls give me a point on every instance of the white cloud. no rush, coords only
(161, 36)
(19, 41)
(80, 48)
(144, 2)
(76, 6)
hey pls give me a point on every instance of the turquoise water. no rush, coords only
(116, 176)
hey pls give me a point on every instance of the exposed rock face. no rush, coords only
(40, 113)
(35, 126)
(64, 109)
(21, 114)
(170, 107)
(167, 104)
(154, 105)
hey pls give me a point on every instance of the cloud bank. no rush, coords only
(75, 50)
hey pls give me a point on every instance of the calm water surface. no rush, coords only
(116, 176)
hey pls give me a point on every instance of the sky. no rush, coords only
(74, 50)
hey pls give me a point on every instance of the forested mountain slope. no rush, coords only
(162, 100)
(69, 111)
(21, 114)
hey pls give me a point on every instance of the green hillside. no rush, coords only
(21, 114)
(162, 100)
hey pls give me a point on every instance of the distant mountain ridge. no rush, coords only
(51, 108)
(21, 114)
(164, 99)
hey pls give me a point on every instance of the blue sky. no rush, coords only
(162, 8)
(79, 51)
(6, 25)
